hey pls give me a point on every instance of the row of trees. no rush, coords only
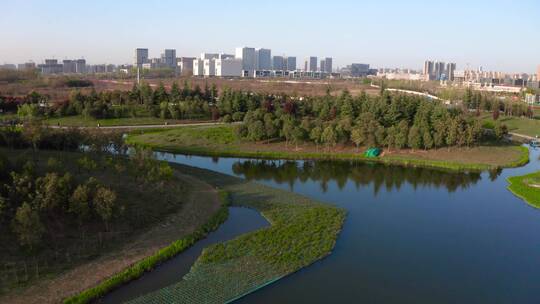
(476, 101)
(393, 121)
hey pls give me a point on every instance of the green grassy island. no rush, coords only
(302, 231)
(526, 187)
(222, 141)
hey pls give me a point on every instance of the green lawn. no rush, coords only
(221, 141)
(302, 232)
(81, 121)
(526, 187)
(526, 126)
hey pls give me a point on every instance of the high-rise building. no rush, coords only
(359, 69)
(51, 66)
(538, 73)
(326, 65)
(168, 58)
(263, 58)
(141, 57)
(26, 66)
(321, 65)
(209, 56)
(278, 63)
(311, 64)
(186, 65)
(247, 54)
(291, 63)
(198, 67)
(450, 70)
(428, 68)
(69, 66)
(80, 66)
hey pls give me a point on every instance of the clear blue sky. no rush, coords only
(498, 35)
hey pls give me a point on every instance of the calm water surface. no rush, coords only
(411, 235)
(240, 221)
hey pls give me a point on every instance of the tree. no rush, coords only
(452, 134)
(427, 139)
(33, 132)
(415, 138)
(27, 225)
(391, 136)
(79, 203)
(104, 202)
(315, 135)
(269, 126)
(500, 130)
(329, 136)
(28, 111)
(86, 163)
(357, 137)
(175, 95)
(52, 191)
(256, 130)
(402, 135)
(298, 135)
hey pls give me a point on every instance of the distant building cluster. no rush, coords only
(245, 62)
(67, 66)
(496, 81)
(400, 74)
(437, 70)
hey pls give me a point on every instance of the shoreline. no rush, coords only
(388, 160)
(529, 194)
(292, 243)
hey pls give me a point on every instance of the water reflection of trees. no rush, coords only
(361, 174)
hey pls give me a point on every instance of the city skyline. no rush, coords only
(390, 34)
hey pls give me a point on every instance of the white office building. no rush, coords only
(228, 67)
(209, 67)
(198, 67)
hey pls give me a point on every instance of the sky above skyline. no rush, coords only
(497, 35)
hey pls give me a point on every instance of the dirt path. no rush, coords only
(201, 204)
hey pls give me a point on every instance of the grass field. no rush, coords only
(81, 121)
(302, 232)
(526, 187)
(521, 125)
(221, 141)
(176, 215)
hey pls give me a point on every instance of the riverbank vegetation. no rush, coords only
(302, 232)
(59, 209)
(526, 187)
(67, 215)
(223, 141)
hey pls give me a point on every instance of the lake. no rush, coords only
(412, 235)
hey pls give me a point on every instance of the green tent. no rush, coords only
(372, 152)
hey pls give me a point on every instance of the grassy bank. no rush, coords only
(137, 270)
(302, 231)
(82, 121)
(221, 141)
(526, 187)
(520, 125)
